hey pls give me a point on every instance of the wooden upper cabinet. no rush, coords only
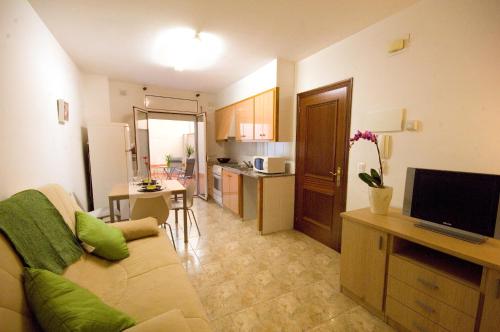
(266, 115)
(244, 113)
(255, 118)
(223, 119)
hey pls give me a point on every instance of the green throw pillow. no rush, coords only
(104, 241)
(63, 306)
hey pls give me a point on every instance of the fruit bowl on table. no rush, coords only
(150, 188)
(146, 182)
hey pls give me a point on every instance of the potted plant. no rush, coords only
(189, 150)
(168, 159)
(379, 194)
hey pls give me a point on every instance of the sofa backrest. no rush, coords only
(14, 312)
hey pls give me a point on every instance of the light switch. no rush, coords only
(361, 167)
(412, 125)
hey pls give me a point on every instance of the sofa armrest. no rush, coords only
(172, 320)
(136, 229)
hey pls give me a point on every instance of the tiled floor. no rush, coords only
(280, 282)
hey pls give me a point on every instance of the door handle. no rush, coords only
(498, 289)
(338, 175)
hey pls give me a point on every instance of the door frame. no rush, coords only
(347, 83)
(135, 110)
(198, 157)
(194, 117)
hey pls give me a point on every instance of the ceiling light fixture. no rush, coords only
(187, 49)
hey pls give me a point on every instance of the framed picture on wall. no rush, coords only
(62, 111)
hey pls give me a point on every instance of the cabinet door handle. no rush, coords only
(380, 242)
(428, 284)
(498, 289)
(424, 306)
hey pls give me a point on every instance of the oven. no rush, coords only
(217, 192)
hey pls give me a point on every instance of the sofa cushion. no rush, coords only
(160, 290)
(104, 278)
(63, 203)
(137, 229)
(107, 242)
(149, 253)
(61, 305)
(171, 321)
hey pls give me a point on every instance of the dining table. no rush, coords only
(130, 191)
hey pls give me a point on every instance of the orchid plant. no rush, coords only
(374, 179)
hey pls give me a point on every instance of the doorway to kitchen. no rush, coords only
(171, 145)
(322, 150)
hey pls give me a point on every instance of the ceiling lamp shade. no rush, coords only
(186, 49)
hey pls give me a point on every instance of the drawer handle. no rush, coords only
(498, 289)
(380, 242)
(428, 284)
(419, 327)
(425, 307)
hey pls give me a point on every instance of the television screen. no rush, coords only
(466, 201)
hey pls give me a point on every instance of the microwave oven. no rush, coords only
(269, 165)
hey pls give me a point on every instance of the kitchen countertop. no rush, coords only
(251, 173)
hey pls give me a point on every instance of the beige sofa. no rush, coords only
(150, 285)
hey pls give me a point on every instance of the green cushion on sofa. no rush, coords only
(108, 242)
(61, 305)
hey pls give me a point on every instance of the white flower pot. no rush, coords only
(380, 199)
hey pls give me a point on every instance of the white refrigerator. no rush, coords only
(110, 157)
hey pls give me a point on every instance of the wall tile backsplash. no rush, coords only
(245, 151)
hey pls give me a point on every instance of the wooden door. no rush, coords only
(265, 115)
(490, 320)
(363, 262)
(323, 121)
(245, 120)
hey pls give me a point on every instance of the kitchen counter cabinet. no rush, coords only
(231, 191)
(269, 198)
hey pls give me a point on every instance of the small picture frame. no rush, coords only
(62, 111)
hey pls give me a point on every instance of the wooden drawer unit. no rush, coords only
(409, 319)
(441, 287)
(435, 310)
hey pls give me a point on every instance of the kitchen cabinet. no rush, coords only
(231, 191)
(266, 115)
(490, 320)
(224, 119)
(244, 114)
(252, 119)
(363, 262)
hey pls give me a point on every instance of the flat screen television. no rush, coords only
(464, 205)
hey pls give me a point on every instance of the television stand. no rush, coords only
(418, 279)
(453, 232)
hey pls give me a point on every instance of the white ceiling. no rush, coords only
(115, 37)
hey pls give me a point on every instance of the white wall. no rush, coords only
(96, 106)
(123, 96)
(262, 79)
(449, 78)
(168, 136)
(34, 72)
(278, 72)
